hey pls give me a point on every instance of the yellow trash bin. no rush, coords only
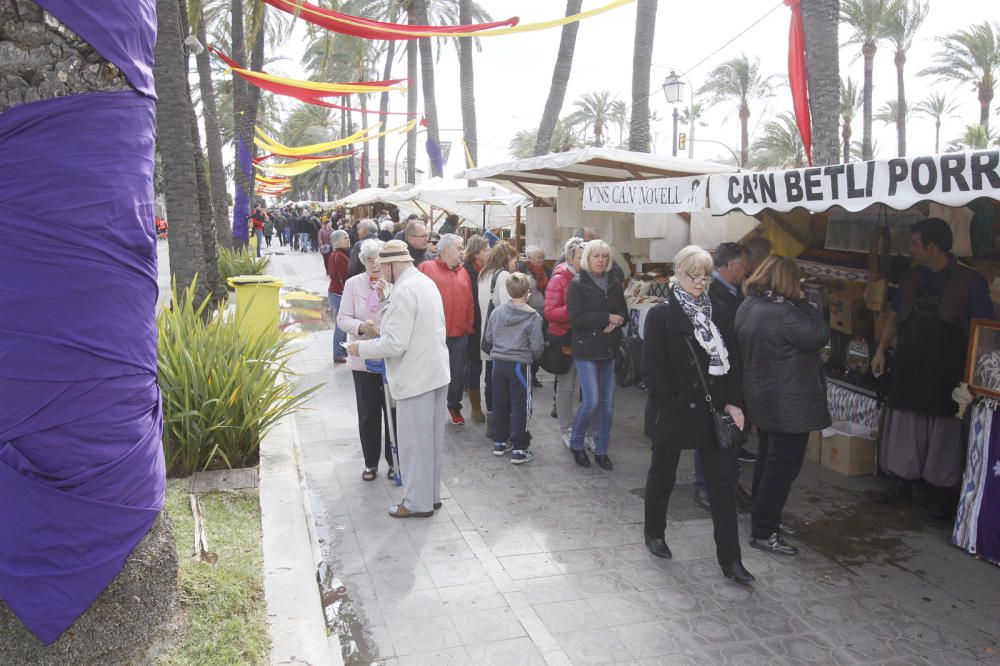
(256, 302)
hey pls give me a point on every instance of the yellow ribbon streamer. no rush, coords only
(272, 146)
(317, 86)
(495, 32)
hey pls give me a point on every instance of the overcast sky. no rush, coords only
(513, 72)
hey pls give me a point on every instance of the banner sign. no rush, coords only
(663, 195)
(953, 179)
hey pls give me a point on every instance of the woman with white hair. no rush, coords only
(596, 304)
(337, 263)
(690, 364)
(359, 318)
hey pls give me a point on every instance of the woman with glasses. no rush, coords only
(595, 301)
(687, 340)
(359, 318)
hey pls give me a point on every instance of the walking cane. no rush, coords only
(378, 366)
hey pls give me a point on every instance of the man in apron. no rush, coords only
(930, 316)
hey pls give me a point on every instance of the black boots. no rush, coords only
(738, 573)
(658, 547)
(899, 491)
(581, 457)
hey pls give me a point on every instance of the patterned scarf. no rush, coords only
(699, 311)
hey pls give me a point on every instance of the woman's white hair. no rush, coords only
(388, 225)
(590, 248)
(534, 251)
(571, 246)
(370, 247)
(692, 260)
(338, 236)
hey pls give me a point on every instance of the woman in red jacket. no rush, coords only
(557, 315)
(336, 268)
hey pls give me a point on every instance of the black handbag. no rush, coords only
(727, 433)
(554, 359)
(628, 361)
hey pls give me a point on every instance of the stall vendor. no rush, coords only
(931, 314)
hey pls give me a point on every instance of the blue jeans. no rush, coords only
(457, 352)
(260, 240)
(338, 335)
(597, 381)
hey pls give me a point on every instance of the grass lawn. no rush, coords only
(222, 606)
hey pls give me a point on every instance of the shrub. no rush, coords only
(239, 261)
(222, 389)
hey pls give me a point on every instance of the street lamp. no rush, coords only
(673, 89)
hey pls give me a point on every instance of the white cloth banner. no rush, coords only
(663, 195)
(953, 179)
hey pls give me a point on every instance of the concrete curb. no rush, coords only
(291, 555)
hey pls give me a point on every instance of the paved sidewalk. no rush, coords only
(544, 563)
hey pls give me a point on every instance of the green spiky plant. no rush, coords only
(222, 389)
(239, 261)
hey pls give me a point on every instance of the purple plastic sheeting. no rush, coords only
(81, 464)
(241, 201)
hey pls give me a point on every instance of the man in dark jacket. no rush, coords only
(366, 229)
(730, 262)
(416, 237)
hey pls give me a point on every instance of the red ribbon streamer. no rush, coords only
(346, 24)
(797, 76)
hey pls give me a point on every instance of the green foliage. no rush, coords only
(223, 603)
(239, 261)
(222, 389)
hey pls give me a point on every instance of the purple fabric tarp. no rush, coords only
(241, 201)
(81, 463)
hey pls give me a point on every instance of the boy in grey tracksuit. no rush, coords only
(513, 339)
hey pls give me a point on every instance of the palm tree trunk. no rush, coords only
(560, 80)
(868, 51)
(985, 97)
(427, 78)
(900, 61)
(213, 142)
(412, 93)
(383, 106)
(241, 140)
(819, 24)
(937, 136)
(365, 176)
(352, 183)
(642, 58)
(846, 135)
(744, 137)
(177, 150)
(467, 82)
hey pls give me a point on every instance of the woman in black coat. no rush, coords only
(595, 301)
(685, 330)
(780, 336)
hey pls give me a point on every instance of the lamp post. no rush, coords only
(673, 88)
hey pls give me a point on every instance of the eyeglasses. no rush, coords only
(700, 279)
(419, 236)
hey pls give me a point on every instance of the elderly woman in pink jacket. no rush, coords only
(359, 317)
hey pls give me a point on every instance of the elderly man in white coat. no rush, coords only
(412, 342)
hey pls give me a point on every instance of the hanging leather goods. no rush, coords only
(879, 258)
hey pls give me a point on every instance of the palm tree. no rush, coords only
(781, 144)
(869, 19)
(467, 85)
(936, 106)
(889, 113)
(971, 56)
(819, 24)
(850, 104)
(620, 117)
(642, 58)
(905, 19)
(740, 81)
(180, 152)
(563, 140)
(976, 137)
(560, 80)
(593, 109)
(690, 116)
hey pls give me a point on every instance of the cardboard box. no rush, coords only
(848, 449)
(814, 447)
(848, 313)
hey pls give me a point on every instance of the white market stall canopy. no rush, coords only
(450, 196)
(540, 177)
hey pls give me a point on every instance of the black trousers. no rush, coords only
(488, 393)
(511, 404)
(779, 459)
(371, 414)
(719, 466)
(457, 351)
